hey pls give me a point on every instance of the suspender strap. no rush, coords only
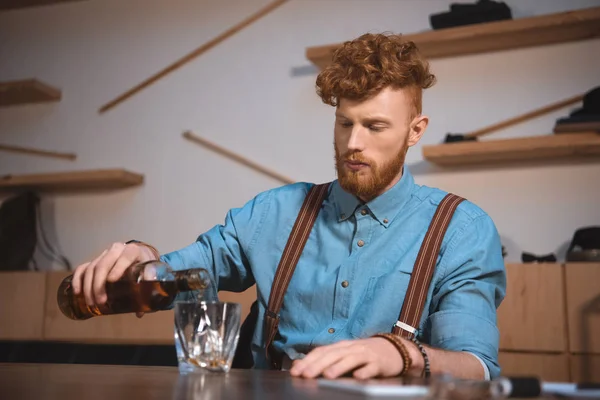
(287, 264)
(418, 287)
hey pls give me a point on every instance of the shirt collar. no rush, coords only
(384, 208)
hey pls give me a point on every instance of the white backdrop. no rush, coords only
(254, 94)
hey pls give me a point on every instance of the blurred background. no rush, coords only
(254, 94)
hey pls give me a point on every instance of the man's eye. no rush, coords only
(346, 124)
(375, 128)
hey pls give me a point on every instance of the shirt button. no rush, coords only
(363, 212)
(331, 330)
(360, 243)
(343, 216)
(345, 284)
(385, 221)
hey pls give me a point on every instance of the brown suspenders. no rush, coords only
(418, 286)
(291, 254)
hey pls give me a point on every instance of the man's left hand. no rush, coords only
(367, 358)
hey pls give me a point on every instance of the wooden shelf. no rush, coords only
(71, 181)
(16, 4)
(493, 36)
(571, 145)
(27, 91)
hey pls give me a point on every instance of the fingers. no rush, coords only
(88, 279)
(128, 256)
(371, 370)
(318, 352)
(76, 281)
(346, 363)
(365, 358)
(80, 272)
(321, 359)
(102, 268)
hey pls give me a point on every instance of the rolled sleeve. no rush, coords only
(222, 249)
(464, 303)
(458, 331)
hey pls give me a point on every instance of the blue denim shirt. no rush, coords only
(345, 290)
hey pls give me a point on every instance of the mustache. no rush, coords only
(355, 157)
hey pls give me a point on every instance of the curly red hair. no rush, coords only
(361, 68)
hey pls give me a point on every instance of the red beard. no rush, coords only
(367, 183)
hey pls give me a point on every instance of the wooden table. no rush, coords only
(111, 382)
(108, 382)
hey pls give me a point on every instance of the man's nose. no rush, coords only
(356, 141)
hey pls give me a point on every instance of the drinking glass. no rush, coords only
(206, 335)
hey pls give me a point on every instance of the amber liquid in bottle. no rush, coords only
(125, 296)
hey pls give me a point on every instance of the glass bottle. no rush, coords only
(144, 287)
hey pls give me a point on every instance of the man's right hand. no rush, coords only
(91, 277)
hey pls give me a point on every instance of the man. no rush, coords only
(352, 276)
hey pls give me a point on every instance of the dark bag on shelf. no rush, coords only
(18, 237)
(19, 223)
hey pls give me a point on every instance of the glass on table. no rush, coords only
(206, 335)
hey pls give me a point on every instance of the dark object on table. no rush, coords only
(533, 258)
(586, 118)
(467, 14)
(585, 245)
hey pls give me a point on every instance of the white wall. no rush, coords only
(254, 94)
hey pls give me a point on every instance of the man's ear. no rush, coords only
(417, 129)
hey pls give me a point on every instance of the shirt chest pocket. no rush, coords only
(379, 306)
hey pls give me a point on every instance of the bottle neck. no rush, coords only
(192, 279)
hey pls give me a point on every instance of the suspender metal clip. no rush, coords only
(405, 327)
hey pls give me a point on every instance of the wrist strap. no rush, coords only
(426, 367)
(397, 342)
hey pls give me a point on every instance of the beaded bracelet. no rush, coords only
(397, 342)
(427, 367)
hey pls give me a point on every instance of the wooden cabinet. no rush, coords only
(585, 368)
(22, 298)
(532, 315)
(549, 367)
(29, 311)
(549, 321)
(583, 307)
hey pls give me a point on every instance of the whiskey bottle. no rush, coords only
(143, 288)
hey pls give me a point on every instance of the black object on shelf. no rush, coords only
(585, 245)
(586, 118)
(468, 14)
(533, 258)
